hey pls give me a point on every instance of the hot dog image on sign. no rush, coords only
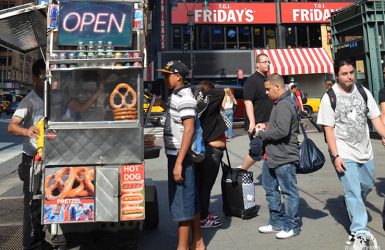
(69, 194)
(132, 192)
(95, 21)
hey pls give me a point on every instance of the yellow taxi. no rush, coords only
(157, 115)
(312, 105)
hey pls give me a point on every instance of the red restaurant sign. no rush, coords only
(309, 12)
(225, 13)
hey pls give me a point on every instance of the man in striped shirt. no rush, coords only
(178, 133)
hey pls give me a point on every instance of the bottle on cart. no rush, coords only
(81, 51)
(109, 50)
(100, 50)
(91, 50)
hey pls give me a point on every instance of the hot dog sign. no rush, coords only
(95, 21)
(132, 192)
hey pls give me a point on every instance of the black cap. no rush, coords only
(175, 67)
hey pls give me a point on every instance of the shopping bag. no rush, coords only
(311, 158)
(238, 192)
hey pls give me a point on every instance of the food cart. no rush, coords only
(89, 171)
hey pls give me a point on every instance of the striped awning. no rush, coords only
(298, 61)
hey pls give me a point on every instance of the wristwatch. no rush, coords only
(334, 157)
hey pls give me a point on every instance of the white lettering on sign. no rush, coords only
(311, 15)
(131, 177)
(131, 168)
(101, 23)
(224, 16)
(162, 25)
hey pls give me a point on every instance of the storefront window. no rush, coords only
(186, 37)
(231, 37)
(203, 37)
(271, 38)
(217, 36)
(302, 36)
(259, 39)
(290, 37)
(245, 37)
(315, 35)
(177, 37)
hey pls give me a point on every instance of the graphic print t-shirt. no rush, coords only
(350, 122)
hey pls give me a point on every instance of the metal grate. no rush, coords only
(11, 211)
(11, 237)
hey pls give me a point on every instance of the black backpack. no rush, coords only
(333, 97)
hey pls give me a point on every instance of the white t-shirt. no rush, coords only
(31, 110)
(350, 122)
(181, 105)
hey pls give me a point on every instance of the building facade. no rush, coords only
(227, 35)
(15, 68)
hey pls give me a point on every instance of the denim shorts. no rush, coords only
(183, 197)
(256, 146)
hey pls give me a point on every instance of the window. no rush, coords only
(203, 37)
(245, 37)
(231, 37)
(315, 35)
(259, 38)
(270, 38)
(302, 36)
(217, 36)
(290, 37)
(186, 37)
(177, 37)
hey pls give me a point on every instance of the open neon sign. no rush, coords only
(95, 21)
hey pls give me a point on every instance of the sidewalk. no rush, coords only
(324, 220)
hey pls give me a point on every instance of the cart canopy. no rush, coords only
(23, 28)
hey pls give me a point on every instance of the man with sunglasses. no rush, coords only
(23, 123)
(258, 108)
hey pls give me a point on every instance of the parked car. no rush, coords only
(312, 105)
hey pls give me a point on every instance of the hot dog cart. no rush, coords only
(89, 171)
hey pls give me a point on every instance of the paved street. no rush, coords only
(324, 220)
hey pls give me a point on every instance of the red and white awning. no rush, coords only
(298, 61)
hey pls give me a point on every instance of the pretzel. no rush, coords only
(125, 117)
(123, 97)
(82, 175)
(125, 112)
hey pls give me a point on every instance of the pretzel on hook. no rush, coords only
(123, 104)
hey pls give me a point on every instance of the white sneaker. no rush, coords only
(267, 229)
(285, 235)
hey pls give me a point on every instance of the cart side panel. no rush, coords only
(93, 146)
(107, 194)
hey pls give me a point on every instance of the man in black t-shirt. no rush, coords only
(258, 108)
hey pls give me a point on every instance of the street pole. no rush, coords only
(191, 29)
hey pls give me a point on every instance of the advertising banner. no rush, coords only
(225, 13)
(132, 192)
(309, 12)
(69, 195)
(95, 21)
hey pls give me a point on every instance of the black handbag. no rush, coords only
(238, 192)
(311, 158)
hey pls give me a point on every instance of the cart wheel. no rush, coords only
(151, 207)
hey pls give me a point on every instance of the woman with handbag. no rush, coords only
(209, 103)
(229, 105)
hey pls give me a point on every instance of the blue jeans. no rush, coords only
(283, 176)
(357, 181)
(183, 197)
(230, 114)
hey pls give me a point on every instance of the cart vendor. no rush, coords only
(23, 123)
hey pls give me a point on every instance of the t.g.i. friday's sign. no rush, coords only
(95, 21)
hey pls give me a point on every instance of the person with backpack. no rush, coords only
(343, 113)
(209, 103)
(178, 135)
